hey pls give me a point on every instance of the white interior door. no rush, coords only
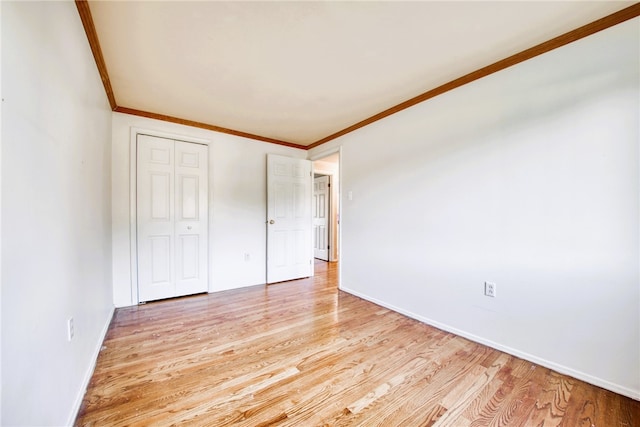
(171, 218)
(289, 222)
(321, 217)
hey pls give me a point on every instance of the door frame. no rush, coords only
(133, 198)
(319, 156)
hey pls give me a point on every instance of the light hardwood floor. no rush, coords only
(302, 353)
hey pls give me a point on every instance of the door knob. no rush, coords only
(272, 222)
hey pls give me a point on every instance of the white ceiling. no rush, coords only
(300, 71)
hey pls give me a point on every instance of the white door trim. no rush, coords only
(133, 197)
(326, 153)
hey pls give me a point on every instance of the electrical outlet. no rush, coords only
(70, 329)
(490, 289)
(247, 257)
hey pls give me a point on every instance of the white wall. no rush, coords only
(1, 219)
(56, 212)
(237, 202)
(528, 178)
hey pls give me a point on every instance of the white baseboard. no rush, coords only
(89, 372)
(616, 388)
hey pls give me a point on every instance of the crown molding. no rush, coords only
(92, 36)
(206, 126)
(562, 40)
(616, 18)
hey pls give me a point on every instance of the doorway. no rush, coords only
(328, 166)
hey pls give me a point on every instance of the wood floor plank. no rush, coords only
(459, 399)
(439, 355)
(303, 353)
(345, 392)
(327, 373)
(551, 402)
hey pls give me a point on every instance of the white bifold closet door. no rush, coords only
(172, 183)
